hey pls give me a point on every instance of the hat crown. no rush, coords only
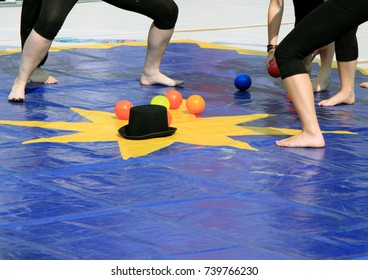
(147, 119)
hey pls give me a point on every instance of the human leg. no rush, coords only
(164, 14)
(158, 40)
(37, 44)
(347, 78)
(29, 16)
(322, 81)
(347, 58)
(303, 101)
(331, 21)
(302, 98)
(302, 8)
(35, 49)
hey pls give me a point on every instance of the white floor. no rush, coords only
(236, 23)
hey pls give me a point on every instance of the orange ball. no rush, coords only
(122, 109)
(175, 98)
(195, 104)
(169, 118)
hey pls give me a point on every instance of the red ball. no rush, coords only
(273, 69)
(122, 109)
(195, 104)
(175, 98)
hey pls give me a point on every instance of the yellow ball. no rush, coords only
(161, 100)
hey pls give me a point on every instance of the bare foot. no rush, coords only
(17, 93)
(39, 76)
(321, 83)
(364, 84)
(159, 79)
(303, 140)
(339, 98)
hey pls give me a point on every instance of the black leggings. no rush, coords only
(346, 46)
(30, 12)
(48, 16)
(304, 7)
(334, 20)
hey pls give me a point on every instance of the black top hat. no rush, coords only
(147, 121)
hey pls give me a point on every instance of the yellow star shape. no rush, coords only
(213, 131)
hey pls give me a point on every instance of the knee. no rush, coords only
(48, 27)
(168, 15)
(289, 64)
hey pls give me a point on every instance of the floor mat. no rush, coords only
(73, 188)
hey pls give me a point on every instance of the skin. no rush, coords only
(36, 47)
(346, 95)
(34, 50)
(322, 81)
(300, 91)
(158, 40)
(364, 84)
(40, 76)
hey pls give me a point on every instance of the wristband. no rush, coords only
(271, 47)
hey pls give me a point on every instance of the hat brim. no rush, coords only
(168, 132)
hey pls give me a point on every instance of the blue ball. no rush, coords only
(242, 82)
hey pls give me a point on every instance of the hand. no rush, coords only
(270, 57)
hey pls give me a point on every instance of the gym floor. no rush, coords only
(219, 188)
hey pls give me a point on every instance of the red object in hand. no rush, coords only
(273, 69)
